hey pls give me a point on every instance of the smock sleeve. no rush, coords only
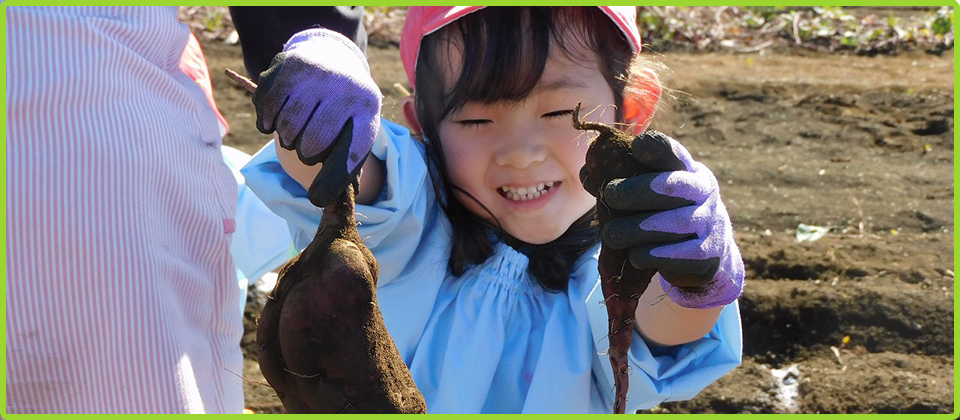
(393, 227)
(260, 242)
(404, 228)
(658, 374)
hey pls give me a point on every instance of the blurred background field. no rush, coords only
(826, 120)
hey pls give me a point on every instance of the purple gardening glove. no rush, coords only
(680, 228)
(319, 97)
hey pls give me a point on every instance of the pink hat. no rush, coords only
(424, 20)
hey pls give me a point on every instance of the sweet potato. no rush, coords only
(322, 342)
(610, 156)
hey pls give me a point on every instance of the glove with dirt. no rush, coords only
(316, 89)
(678, 226)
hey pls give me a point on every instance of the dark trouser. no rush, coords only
(263, 29)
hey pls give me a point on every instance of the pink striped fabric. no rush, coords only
(121, 294)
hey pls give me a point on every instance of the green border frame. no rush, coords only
(3, 32)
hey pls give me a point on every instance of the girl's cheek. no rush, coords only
(461, 162)
(576, 143)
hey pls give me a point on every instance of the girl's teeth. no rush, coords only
(526, 193)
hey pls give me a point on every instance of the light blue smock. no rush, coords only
(492, 340)
(261, 242)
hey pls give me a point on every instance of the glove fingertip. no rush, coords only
(610, 235)
(587, 183)
(641, 258)
(262, 125)
(654, 149)
(267, 114)
(613, 194)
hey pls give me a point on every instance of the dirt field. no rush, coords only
(862, 146)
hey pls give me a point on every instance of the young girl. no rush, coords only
(482, 229)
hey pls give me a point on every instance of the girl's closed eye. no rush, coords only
(473, 115)
(468, 123)
(563, 113)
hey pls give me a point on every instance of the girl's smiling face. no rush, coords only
(521, 160)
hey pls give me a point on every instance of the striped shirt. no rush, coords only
(120, 290)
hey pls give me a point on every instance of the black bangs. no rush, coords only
(504, 54)
(501, 53)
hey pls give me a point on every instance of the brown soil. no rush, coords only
(860, 145)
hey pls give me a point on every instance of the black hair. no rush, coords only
(505, 51)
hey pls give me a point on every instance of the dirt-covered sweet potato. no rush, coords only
(323, 345)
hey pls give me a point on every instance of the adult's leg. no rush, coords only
(264, 29)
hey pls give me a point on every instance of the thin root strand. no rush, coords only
(246, 379)
(300, 375)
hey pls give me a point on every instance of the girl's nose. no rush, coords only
(521, 151)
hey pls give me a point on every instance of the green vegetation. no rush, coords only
(828, 29)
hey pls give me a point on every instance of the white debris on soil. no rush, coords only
(810, 233)
(788, 387)
(266, 283)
